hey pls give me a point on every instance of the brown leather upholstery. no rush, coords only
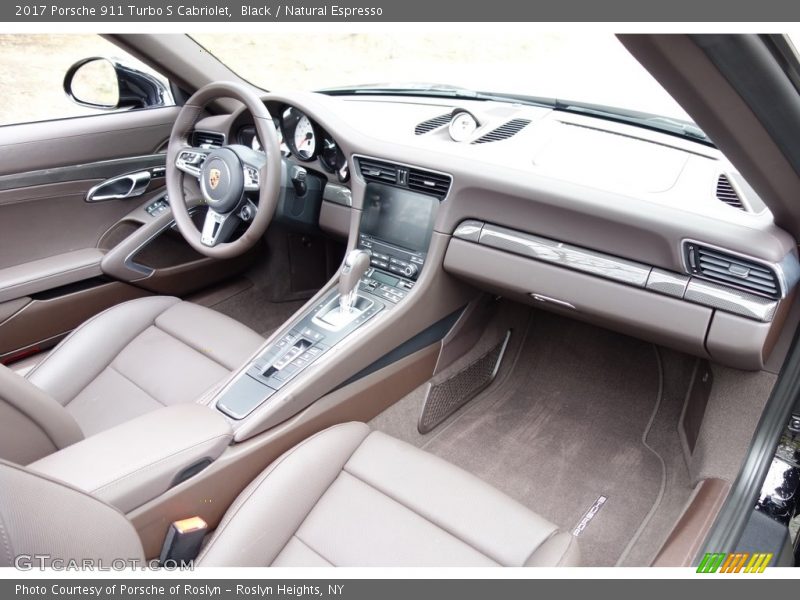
(351, 497)
(129, 360)
(344, 497)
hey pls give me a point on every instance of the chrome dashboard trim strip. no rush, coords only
(469, 230)
(667, 282)
(730, 300)
(564, 255)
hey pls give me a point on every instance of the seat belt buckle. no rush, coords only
(183, 541)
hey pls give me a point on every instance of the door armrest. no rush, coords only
(47, 273)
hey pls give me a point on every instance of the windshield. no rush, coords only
(586, 67)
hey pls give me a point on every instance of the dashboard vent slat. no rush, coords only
(431, 124)
(207, 139)
(374, 170)
(428, 182)
(732, 270)
(510, 129)
(727, 194)
(411, 178)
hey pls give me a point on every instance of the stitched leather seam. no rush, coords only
(317, 552)
(234, 509)
(423, 517)
(81, 327)
(133, 383)
(154, 464)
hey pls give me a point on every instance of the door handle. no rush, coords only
(129, 185)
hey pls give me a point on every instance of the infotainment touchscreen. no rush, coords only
(398, 216)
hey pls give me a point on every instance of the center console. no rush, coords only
(392, 245)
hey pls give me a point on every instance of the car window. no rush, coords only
(33, 73)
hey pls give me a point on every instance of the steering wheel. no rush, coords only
(228, 176)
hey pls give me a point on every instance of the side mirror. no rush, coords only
(106, 84)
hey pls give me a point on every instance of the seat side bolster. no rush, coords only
(33, 424)
(269, 511)
(90, 348)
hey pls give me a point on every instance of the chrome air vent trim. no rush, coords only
(740, 271)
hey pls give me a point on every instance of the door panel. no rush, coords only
(82, 140)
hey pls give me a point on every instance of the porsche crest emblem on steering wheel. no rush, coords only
(213, 178)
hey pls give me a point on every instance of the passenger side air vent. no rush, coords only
(732, 270)
(429, 183)
(727, 194)
(432, 124)
(418, 180)
(512, 128)
(207, 139)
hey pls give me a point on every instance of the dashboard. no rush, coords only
(640, 231)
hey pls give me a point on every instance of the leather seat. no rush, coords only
(344, 497)
(131, 359)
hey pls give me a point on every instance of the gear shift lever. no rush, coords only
(355, 265)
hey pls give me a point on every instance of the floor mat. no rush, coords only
(564, 427)
(250, 308)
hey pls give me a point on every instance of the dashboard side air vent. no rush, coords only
(427, 182)
(431, 124)
(512, 128)
(207, 139)
(727, 194)
(732, 270)
(375, 170)
(411, 178)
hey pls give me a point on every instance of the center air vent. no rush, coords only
(432, 124)
(512, 128)
(418, 180)
(732, 270)
(207, 139)
(727, 194)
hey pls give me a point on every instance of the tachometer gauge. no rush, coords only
(305, 144)
(462, 126)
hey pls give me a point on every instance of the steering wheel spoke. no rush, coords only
(190, 160)
(218, 227)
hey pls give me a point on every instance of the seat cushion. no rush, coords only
(139, 356)
(351, 497)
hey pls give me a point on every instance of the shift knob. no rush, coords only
(356, 264)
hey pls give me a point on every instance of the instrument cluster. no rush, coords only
(303, 139)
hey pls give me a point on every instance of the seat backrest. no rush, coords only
(43, 520)
(32, 424)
